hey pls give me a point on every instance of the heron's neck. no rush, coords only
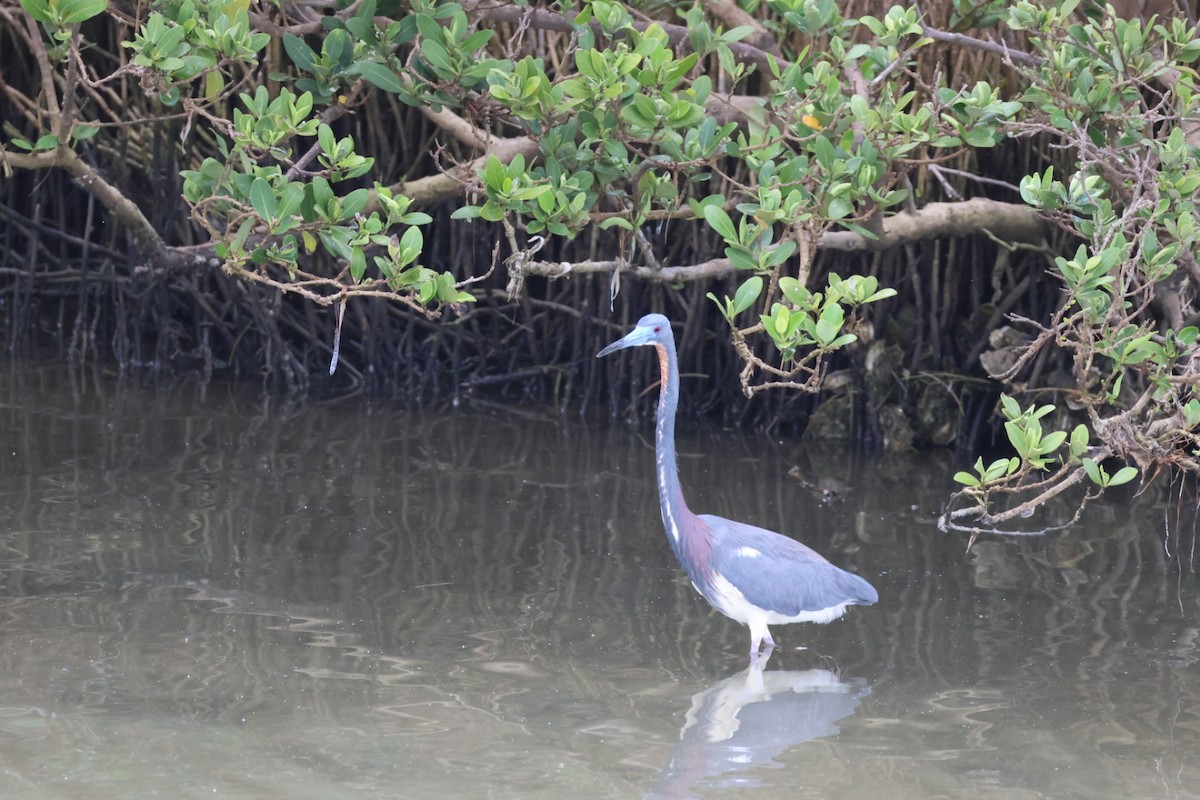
(670, 492)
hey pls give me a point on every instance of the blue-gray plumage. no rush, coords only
(752, 575)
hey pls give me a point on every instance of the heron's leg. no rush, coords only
(769, 648)
(759, 632)
(757, 640)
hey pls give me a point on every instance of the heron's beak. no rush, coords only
(632, 339)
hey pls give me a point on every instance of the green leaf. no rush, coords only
(39, 10)
(840, 207)
(796, 293)
(1052, 441)
(242, 234)
(360, 26)
(491, 212)
(76, 11)
(721, 223)
(475, 41)
(996, 470)
(981, 136)
(358, 264)
(1191, 413)
(326, 139)
(466, 212)
(747, 293)
(416, 218)
(1016, 438)
(882, 294)
(289, 204)
(1093, 471)
(438, 58)
(736, 34)
(966, 479)
(1011, 409)
(584, 63)
(779, 322)
(298, 50)
(530, 192)
(824, 152)
(429, 27)
(825, 331)
(779, 254)
(1079, 441)
(380, 76)
(321, 192)
(427, 291)
(494, 174)
(1124, 475)
(338, 47)
(262, 197)
(740, 258)
(354, 202)
(412, 239)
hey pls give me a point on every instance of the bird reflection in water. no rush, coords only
(742, 723)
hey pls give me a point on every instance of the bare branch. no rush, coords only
(937, 220)
(150, 244)
(1011, 222)
(1015, 56)
(448, 185)
(715, 268)
(43, 61)
(948, 520)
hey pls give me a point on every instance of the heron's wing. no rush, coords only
(780, 574)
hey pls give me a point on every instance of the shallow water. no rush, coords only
(204, 593)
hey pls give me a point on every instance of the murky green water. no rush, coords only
(208, 594)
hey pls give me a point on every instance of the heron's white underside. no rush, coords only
(729, 600)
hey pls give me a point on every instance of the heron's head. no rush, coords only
(651, 329)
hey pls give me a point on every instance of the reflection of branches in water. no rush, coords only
(512, 551)
(276, 490)
(1081, 628)
(1181, 522)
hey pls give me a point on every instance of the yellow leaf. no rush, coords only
(214, 83)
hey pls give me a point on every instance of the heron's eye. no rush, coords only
(658, 328)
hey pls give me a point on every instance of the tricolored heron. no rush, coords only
(752, 575)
